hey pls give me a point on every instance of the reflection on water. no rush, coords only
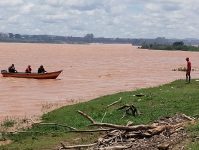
(89, 71)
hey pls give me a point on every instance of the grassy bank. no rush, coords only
(165, 100)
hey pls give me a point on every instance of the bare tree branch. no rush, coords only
(86, 116)
(103, 117)
(76, 146)
(114, 102)
(56, 124)
(120, 127)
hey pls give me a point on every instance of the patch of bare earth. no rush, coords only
(5, 142)
(164, 134)
(13, 125)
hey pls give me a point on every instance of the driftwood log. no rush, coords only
(114, 126)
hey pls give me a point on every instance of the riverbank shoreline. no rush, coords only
(152, 103)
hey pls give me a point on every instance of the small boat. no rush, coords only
(47, 75)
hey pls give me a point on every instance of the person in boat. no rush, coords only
(41, 69)
(28, 69)
(188, 71)
(12, 69)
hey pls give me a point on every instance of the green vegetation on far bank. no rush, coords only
(156, 102)
(175, 46)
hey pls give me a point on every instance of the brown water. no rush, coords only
(89, 71)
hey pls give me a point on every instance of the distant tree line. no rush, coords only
(179, 45)
(156, 43)
(88, 38)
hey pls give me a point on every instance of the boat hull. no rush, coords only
(48, 75)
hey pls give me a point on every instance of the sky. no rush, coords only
(103, 18)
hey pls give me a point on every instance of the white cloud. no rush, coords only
(27, 8)
(153, 7)
(7, 3)
(108, 18)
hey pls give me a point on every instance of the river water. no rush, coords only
(89, 71)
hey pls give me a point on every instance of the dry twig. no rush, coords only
(56, 124)
(114, 102)
(76, 146)
(86, 116)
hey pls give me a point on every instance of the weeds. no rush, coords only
(8, 123)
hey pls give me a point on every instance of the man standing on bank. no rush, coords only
(188, 71)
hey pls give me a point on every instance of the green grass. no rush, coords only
(194, 133)
(8, 123)
(170, 47)
(165, 100)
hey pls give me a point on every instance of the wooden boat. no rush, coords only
(48, 75)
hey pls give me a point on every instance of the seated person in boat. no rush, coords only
(12, 69)
(41, 69)
(28, 69)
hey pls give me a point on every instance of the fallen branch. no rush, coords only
(103, 141)
(118, 147)
(86, 116)
(56, 124)
(188, 118)
(17, 132)
(158, 130)
(114, 102)
(120, 127)
(76, 131)
(103, 117)
(96, 130)
(76, 146)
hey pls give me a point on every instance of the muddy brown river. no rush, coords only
(89, 71)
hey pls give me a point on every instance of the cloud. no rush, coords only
(26, 9)
(7, 3)
(108, 18)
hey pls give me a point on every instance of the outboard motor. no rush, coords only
(4, 71)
